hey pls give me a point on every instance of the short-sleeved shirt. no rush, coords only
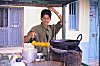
(45, 34)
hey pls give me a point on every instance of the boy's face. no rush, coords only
(45, 20)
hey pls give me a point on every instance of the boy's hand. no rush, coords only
(51, 9)
(32, 34)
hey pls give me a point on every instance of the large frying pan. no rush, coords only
(66, 44)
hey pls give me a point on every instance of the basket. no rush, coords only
(69, 58)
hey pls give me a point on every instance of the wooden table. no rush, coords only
(44, 63)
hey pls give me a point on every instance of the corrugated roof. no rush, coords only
(40, 3)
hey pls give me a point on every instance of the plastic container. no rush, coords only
(29, 53)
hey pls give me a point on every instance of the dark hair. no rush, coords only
(46, 12)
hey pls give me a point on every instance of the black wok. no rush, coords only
(66, 44)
